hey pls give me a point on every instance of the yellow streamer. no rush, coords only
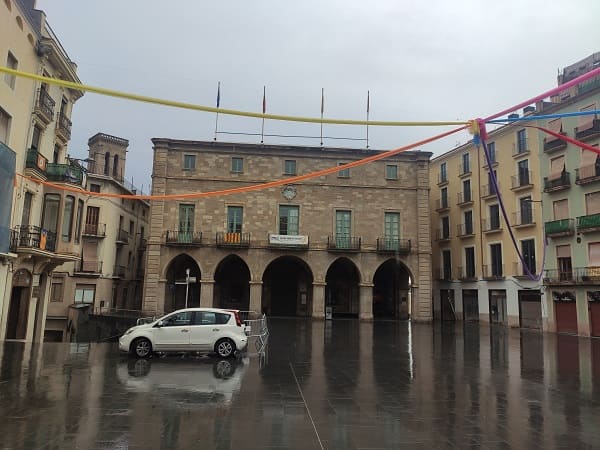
(231, 112)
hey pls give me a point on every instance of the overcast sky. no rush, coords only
(421, 60)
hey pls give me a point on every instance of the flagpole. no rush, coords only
(262, 131)
(218, 104)
(322, 107)
(368, 98)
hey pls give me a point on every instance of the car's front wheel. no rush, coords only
(141, 347)
(225, 348)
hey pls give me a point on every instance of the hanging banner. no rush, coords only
(284, 239)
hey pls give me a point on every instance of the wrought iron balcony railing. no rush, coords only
(590, 132)
(464, 229)
(35, 160)
(97, 230)
(63, 127)
(466, 273)
(442, 234)
(578, 275)
(231, 239)
(465, 197)
(189, 238)
(29, 236)
(122, 237)
(493, 271)
(44, 106)
(393, 245)
(522, 179)
(87, 266)
(344, 243)
(554, 144)
(491, 225)
(587, 174)
(65, 173)
(523, 217)
(557, 184)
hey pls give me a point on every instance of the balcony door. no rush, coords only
(391, 230)
(91, 220)
(186, 224)
(343, 228)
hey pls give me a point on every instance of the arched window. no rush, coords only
(116, 166)
(106, 163)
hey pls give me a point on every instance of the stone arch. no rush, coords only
(232, 284)
(392, 282)
(342, 292)
(287, 287)
(175, 287)
(18, 309)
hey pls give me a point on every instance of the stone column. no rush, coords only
(422, 302)
(318, 300)
(365, 306)
(206, 293)
(256, 296)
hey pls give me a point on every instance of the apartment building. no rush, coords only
(354, 243)
(571, 205)
(35, 127)
(477, 273)
(108, 278)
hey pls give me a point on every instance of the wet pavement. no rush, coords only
(342, 385)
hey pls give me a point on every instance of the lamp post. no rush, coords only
(187, 285)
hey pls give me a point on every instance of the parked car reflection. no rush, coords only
(185, 380)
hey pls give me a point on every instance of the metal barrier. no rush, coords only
(256, 328)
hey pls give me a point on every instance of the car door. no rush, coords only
(206, 329)
(174, 334)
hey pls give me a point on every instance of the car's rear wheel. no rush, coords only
(225, 348)
(141, 347)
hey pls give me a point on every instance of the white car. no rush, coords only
(188, 330)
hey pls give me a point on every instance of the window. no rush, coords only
(521, 141)
(494, 217)
(210, 318)
(57, 290)
(444, 198)
(78, 221)
(447, 265)
(343, 228)
(443, 173)
(189, 162)
(234, 219)
(585, 122)
(237, 165)
(11, 63)
(523, 170)
(528, 252)
(563, 260)
(26, 208)
(67, 224)
(289, 167)
(466, 163)
(594, 254)
(131, 226)
(557, 167)
(391, 226)
(56, 154)
(466, 191)
(94, 187)
(445, 227)
(491, 148)
(470, 262)
(186, 223)
(526, 210)
(468, 222)
(50, 215)
(91, 220)
(491, 177)
(116, 173)
(561, 209)
(391, 172)
(85, 293)
(496, 260)
(4, 126)
(288, 220)
(345, 173)
(592, 203)
(36, 137)
(179, 319)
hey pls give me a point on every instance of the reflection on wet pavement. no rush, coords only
(340, 384)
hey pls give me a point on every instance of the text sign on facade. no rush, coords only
(283, 239)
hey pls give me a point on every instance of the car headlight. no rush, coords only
(128, 332)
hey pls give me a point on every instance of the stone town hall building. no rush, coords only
(357, 240)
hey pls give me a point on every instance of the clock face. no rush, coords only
(289, 192)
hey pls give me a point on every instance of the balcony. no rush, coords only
(587, 174)
(465, 198)
(552, 144)
(579, 275)
(466, 273)
(87, 267)
(288, 241)
(520, 148)
(522, 181)
(35, 161)
(65, 173)
(557, 184)
(442, 205)
(588, 224)
(391, 245)
(122, 237)
(491, 225)
(444, 273)
(559, 228)
(588, 275)
(343, 243)
(523, 218)
(442, 178)
(44, 107)
(464, 230)
(94, 230)
(589, 133)
(493, 272)
(119, 271)
(488, 191)
(63, 128)
(33, 237)
(183, 238)
(555, 276)
(442, 235)
(520, 272)
(144, 244)
(464, 170)
(230, 239)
